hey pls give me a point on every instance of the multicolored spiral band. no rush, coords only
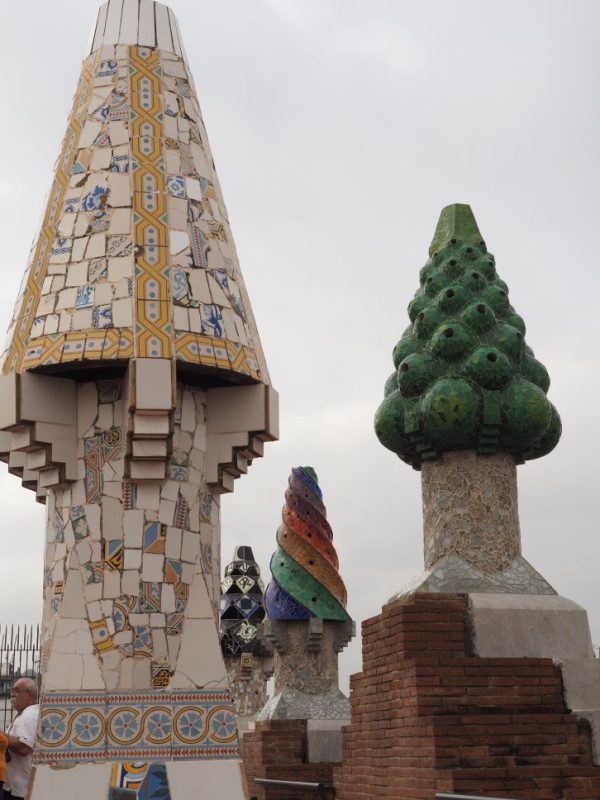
(305, 579)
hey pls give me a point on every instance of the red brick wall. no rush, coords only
(429, 716)
(277, 750)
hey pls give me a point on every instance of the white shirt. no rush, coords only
(18, 769)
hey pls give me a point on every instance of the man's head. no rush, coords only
(24, 693)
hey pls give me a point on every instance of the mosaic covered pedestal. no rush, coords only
(306, 669)
(472, 539)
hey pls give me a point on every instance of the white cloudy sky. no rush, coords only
(340, 129)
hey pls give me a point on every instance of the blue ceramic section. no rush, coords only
(155, 785)
(280, 605)
(307, 481)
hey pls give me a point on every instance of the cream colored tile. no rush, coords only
(167, 598)
(82, 319)
(131, 581)
(195, 320)
(219, 778)
(103, 294)
(79, 246)
(152, 567)
(101, 157)
(118, 133)
(120, 189)
(148, 497)
(96, 246)
(51, 324)
(199, 286)
(90, 131)
(112, 518)
(180, 318)
(120, 222)
(166, 512)
(173, 543)
(66, 298)
(77, 275)
(65, 322)
(132, 559)
(66, 225)
(119, 268)
(122, 313)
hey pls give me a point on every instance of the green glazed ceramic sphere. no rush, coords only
(465, 378)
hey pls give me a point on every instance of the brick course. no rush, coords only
(276, 749)
(428, 716)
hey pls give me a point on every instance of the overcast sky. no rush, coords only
(339, 130)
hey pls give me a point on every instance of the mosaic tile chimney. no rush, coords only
(134, 391)
(305, 600)
(248, 660)
(467, 403)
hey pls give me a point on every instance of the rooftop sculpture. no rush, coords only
(134, 392)
(466, 403)
(248, 660)
(305, 600)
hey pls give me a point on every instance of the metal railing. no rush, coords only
(19, 657)
(467, 797)
(319, 789)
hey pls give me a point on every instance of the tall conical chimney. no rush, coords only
(134, 391)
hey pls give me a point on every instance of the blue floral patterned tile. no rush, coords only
(176, 185)
(96, 198)
(102, 316)
(212, 321)
(85, 297)
(180, 284)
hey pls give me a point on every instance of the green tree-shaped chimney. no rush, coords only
(465, 378)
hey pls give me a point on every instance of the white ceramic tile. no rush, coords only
(132, 559)
(82, 319)
(113, 22)
(148, 497)
(163, 28)
(195, 320)
(66, 298)
(120, 189)
(179, 37)
(170, 127)
(100, 25)
(112, 518)
(103, 294)
(118, 133)
(101, 157)
(219, 778)
(66, 225)
(167, 598)
(77, 274)
(147, 30)
(173, 543)
(131, 581)
(129, 22)
(112, 583)
(178, 241)
(96, 247)
(180, 318)
(199, 286)
(120, 221)
(166, 512)
(89, 132)
(83, 780)
(175, 68)
(120, 268)
(152, 566)
(122, 313)
(174, 34)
